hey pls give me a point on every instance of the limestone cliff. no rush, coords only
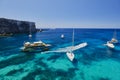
(16, 26)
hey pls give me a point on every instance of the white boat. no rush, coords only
(62, 36)
(29, 47)
(110, 45)
(70, 54)
(114, 39)
(30, 35)
(36, 44)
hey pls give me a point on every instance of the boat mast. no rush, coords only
(73, 38)
(30, 33)
(114, 35)
(72, 41)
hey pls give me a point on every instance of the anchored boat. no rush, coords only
(109, 44)
(34, 46)
(70, 53)
(114, 39)
(62, 36)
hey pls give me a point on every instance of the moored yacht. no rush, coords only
(114, 39)
(32, 46)
(110, 45)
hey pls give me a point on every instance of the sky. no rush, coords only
(64, 13)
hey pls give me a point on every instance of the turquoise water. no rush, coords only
(93, 62)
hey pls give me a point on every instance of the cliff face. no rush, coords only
(15, 26)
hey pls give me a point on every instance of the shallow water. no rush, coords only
(93, 62)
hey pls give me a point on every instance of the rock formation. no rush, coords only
(8, 26)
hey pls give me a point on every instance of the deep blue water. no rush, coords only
(93, 62)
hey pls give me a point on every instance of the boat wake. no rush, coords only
(68, 48)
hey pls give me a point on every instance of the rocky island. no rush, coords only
(10, 26)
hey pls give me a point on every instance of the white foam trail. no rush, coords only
(68, 48)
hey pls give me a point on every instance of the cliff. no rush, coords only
(15, 26)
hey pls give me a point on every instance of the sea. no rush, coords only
(92, 62)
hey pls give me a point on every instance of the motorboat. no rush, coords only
(35, 45)
(110, 45)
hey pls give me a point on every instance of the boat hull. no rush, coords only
(110, 45)
(70, 56)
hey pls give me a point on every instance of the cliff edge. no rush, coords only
(15, 26)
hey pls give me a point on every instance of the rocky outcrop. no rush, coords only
(15, 26)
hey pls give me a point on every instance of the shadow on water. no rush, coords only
(113, 54)
(16, 60)
(75, 62)
(87, 59)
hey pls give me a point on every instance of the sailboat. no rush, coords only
(30, 35)
(110, 44)
(114, 39)
(70, 53)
